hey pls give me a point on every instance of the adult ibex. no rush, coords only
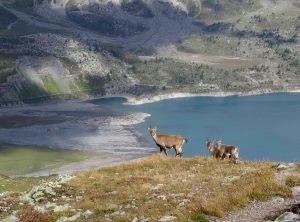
(215, 152)
(228, 151)
(164, 141)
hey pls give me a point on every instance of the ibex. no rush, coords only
(168, 141)
(228, 151)
(215, 152)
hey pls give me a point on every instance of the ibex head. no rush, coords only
(152, 130)
(208, 142)
(218, 142)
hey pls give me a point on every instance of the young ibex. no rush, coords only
(215, 152)
(168, 141)
(228, 151)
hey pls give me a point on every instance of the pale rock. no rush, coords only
(163, 197)
(41, 209)
(49, 190)
(60, 208)
(68, 219)
(78, 198)
(112, 193)
(288, 217)
(156, 187)
(167, 218)
(135, 219)
(87, 214)
(112, 206)
(118, 213)
(11, 218)
(282, 167)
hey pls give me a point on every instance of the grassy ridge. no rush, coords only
(188, 189)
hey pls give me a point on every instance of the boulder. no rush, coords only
(288, 217)
(68, 219)
(167, 218)
(11, 218)
(87, 214)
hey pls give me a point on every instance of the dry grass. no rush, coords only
(189, 189)
(292, 180)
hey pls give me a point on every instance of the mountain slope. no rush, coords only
(72, 48)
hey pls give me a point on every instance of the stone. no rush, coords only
(163, 197)
(156, 187)
(3, 194)
(282, 167)
(87, 214)
(227, 180)
(60, 208)
(135, 219)
(11, 218)
(167, 218)
(118, 213)
(288, 217)
(112, 206)
(49, 190)
(41, 209)
(296, 191)
(112, 193)
(78, 198)
(67, 219)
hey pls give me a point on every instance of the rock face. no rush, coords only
(288, 217)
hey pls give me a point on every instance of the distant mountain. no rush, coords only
(76, 48)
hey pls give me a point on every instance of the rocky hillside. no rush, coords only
(75, 48)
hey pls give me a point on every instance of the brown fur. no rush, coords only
(215, 152)
(164, 141)
(228, 151)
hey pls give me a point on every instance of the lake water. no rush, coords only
(265, 127)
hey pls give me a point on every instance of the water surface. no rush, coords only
(265, 127)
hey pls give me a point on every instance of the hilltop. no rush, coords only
(62, 49)
(157, 188)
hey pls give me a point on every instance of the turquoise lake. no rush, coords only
(265, 127)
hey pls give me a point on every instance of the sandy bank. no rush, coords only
(86, 127)
(174, 95)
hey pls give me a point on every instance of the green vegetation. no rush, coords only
(51, 86)
(214, 10)
(200, 217)
(188, 76)
(7, 63)
(222, 45)
(20, 184)
(18, 160)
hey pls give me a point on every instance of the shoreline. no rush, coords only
(91, 128)
(133, 100)
(173, 95)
